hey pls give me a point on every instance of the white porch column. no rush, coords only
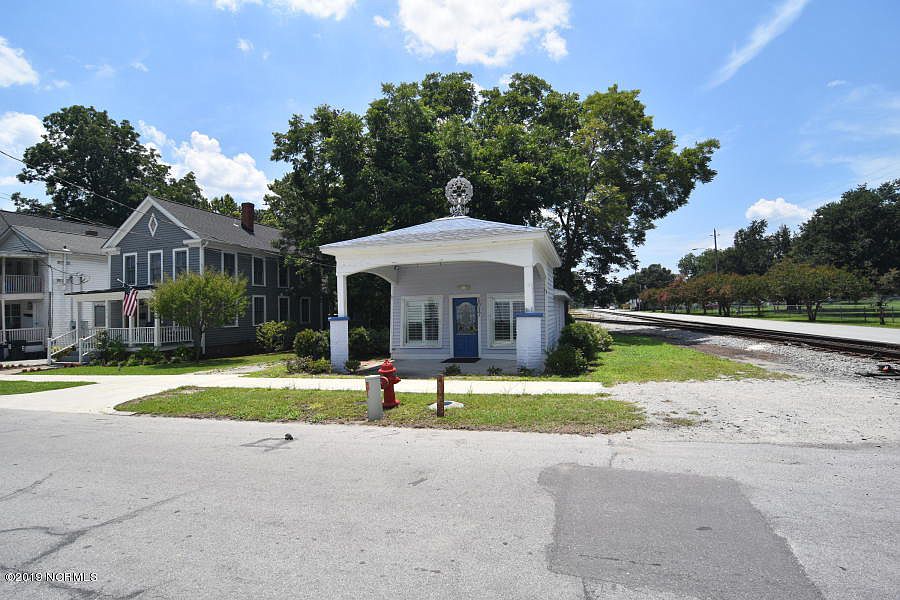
(340, 342)
(528, 289)
(529, 352)
(157, 340)
(106, 315)
(341, 294)
(3, 315)
(131, 331)
(340, 327)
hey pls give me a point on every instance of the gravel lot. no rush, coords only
(824, 401)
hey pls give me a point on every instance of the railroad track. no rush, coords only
(857, 347)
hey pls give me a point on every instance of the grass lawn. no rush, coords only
(637, 358)
(567, 413)
(170, 369)
(27, 387)
(633, 359)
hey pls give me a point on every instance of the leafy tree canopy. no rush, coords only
(200, 301)
(84, 146)
(860, 232)
(596, 170)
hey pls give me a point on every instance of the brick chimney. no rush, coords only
(247, 216)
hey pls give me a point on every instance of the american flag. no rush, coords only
(130, 303)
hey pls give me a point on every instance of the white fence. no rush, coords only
(23, 284)
(143, 336)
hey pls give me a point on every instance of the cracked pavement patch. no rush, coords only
(664, 535)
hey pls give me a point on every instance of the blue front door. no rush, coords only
(465, 327)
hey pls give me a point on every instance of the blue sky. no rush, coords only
(804, 96)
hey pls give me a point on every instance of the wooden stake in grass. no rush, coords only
(440, 396)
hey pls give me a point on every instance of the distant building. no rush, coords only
(163, 239)
(41, 260)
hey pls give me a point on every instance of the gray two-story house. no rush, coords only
(162, 239)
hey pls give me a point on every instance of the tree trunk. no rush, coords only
(197, 334)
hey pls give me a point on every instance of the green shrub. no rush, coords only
(309, 342)
(524, 371)
(110, 349)
(368, 343)
(183, 353)
(452, 370)
(360, 342)
(271, 335)
(351, 366)
(381, 342)
(306, 364)
(132, 361)
(590, 339)
(567, 361)
(149, 355)
(494, 370)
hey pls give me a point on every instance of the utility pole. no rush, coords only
(716, 249)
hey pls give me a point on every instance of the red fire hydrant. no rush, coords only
(389, 379)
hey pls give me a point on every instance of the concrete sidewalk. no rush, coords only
(115, 389)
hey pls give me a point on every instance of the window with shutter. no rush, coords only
(504, 312)
(422, 321)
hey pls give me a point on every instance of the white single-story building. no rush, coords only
(461, 288)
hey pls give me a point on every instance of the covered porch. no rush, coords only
(464, 289)
(106, 315)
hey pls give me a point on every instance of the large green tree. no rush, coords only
(860, 232)
(595, 170)
(103, 158)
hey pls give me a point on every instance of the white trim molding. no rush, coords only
(187, 260)
(253, 309)
(162, 268)
(136, 215)
(124, 272)
(253, 259)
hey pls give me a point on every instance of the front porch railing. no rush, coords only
(23, 284)
(143, 336)
(27, 334)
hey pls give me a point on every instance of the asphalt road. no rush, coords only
(171, 508)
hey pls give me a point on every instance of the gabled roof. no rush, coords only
(55, 241)
(204, 224)
(444, 229)
(10, 219)
(44, 234)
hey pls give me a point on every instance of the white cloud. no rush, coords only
(55, 84)
(505, 80)
(244, 45)
(380, 21)
(104, 70)
(14, 67)
(489, 32)
(139, 66)
(785, 14)
(233, 5)
(777, 210)
(836, 83)
(216, 173)
(323, 9)
(555, 45)
(18, 131)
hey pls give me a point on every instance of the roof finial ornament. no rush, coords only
(458, 193)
